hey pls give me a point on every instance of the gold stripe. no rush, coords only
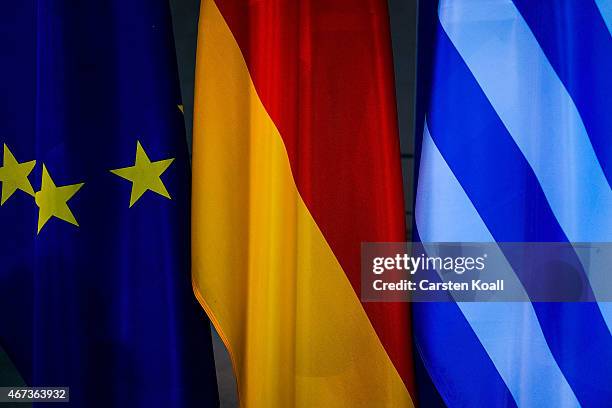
(295, 329)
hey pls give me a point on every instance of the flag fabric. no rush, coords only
(295, 163)
(95, 290)
(516, 148)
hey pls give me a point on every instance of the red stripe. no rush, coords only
(323, 70)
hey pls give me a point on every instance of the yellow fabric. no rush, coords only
(52, 200)
(293, 325)
(14, 175)
(145, 175)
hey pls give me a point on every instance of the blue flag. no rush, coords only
(516, 148)
(95, 285)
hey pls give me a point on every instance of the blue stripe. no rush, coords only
(455, 360)
(605, 8)
(483, 156)
(504, 190)
(444, 213)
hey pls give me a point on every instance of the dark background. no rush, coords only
(403, 19)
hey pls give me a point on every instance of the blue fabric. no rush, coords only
(446, 214)
(107, 307)
(448, 340)
(575, 39)
(510, 188)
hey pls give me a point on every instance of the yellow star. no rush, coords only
(144, 175)
(14, 175)
(52, 201)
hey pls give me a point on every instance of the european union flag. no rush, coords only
(95, 287)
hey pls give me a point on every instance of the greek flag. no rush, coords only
(517, 147)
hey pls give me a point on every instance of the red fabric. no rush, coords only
(323, 70)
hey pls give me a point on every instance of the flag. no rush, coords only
(516, 148)
(95, 290)
(295, 164)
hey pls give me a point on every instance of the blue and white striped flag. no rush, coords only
(517, 147)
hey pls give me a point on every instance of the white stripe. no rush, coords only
(605, 8)
(509, 332)
(530, 99)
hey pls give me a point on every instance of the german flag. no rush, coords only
(295, 164)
